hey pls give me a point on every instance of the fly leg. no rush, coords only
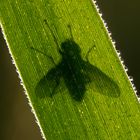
(70, 31)
(50, 57)
(53, 35)
(89, 51)
(53, 79)
(54, 89)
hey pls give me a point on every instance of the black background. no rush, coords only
(16, 120)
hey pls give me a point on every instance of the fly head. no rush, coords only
(70, 48)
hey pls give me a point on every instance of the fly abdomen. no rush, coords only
(76, 86)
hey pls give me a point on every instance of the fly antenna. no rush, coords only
(70, 31)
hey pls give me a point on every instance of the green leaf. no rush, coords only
(70, 69)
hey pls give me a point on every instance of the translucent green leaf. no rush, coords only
(69, 67)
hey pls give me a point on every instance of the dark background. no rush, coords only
(16, 120)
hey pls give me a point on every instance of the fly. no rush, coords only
(75, 72)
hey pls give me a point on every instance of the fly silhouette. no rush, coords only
(76, 73)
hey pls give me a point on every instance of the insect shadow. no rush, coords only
(76, 73)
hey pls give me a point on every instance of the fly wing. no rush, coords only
(47, 86)
(99, 81)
